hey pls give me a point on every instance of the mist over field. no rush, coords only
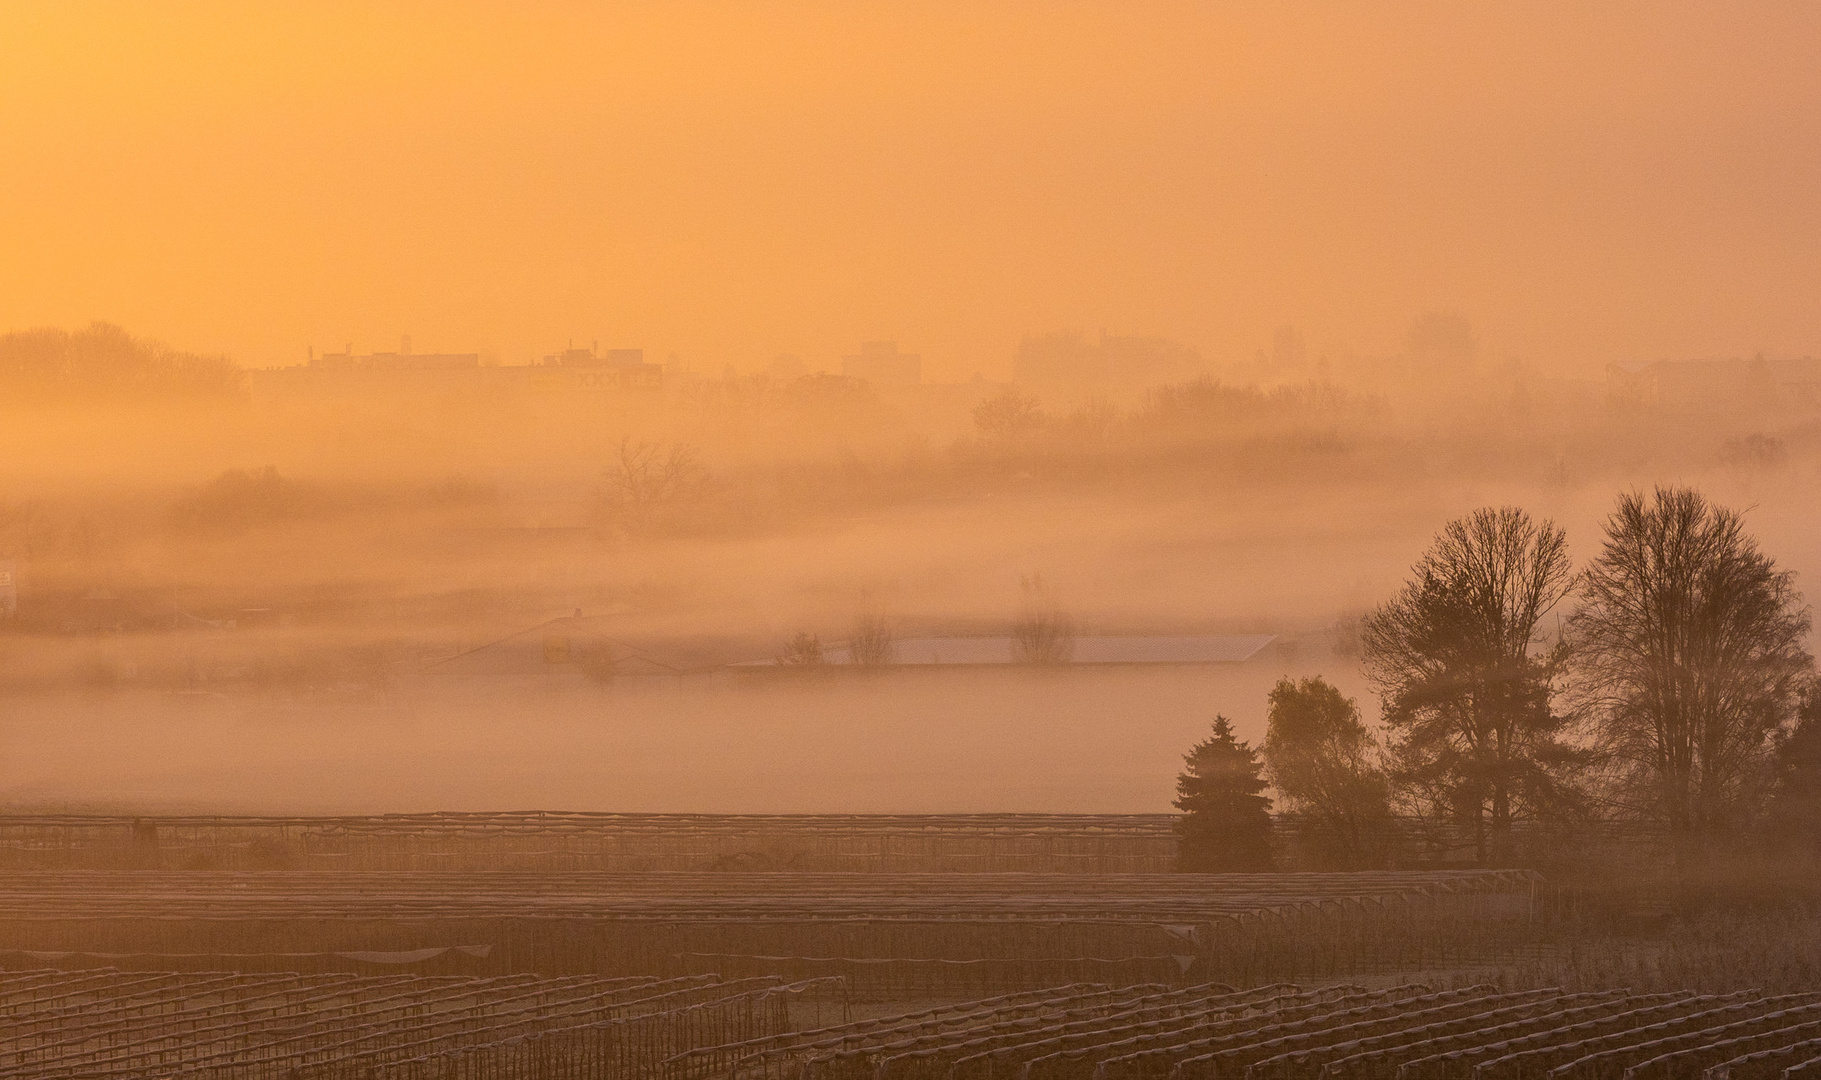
(408, 410)
(715, 540)
(312, 594)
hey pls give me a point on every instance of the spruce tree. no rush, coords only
(1226, 821)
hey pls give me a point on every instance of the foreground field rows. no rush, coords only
(104, 1024)
(888, 936)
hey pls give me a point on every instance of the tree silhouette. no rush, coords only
(239, 498)
(804, 650)
(1691, 656)
(1323, 763)
(1043, 633)
(1008, 414)
(873, 641)
(645, 482)
(1467, 696)
(102, 362)
(1226, 821)
(1794, 818)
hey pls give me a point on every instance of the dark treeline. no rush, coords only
(743, 455)
(103, 363)
(1676, 693)
(412, 514)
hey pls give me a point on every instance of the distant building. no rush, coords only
(100, 610)
(1071, 363)
(9, 589)
(619, 367)
(1710, 387)
(881, 364)
(787, 366)
(402, 360)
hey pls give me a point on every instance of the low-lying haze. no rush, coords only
(649, 339)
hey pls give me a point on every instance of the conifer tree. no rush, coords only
(1226, 822)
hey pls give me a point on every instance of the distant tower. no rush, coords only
(404, 345)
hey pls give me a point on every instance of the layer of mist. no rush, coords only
(271, 595)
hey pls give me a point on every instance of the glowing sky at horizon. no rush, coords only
(731, 181)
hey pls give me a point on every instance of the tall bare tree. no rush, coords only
(1043, 633)
(1466, 685)
(645, 480)
(873, 642)
(1691, 657)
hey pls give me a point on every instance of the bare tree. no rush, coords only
(1467, 694)
(873, 642)
(1690, 658)
(1008, 414)
(102, 361)
(1043, 633)
(645, 479)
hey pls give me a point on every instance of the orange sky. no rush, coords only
(728, 181)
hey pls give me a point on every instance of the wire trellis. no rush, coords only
(79, 1025)
(888, 935)
(1280, 1032)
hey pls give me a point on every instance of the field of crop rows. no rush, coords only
(72, 1025)
(565, 841)
(561, 841)
(102, 1024)
(947, 935)
(1285, 1033)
